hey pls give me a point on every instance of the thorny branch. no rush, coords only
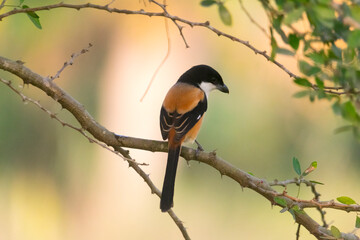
(103, 135)
(252, 19)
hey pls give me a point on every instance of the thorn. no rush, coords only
(207, 23)
(213, 153)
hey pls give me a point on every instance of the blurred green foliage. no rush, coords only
(329, 54)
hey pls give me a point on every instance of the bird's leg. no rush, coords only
(199, 147)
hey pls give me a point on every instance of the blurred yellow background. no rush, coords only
(54, 184)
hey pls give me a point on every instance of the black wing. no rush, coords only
(182, 123)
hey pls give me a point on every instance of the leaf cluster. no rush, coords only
(327, 44)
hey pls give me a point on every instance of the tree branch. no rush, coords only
(246, 180)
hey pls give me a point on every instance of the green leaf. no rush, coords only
(301, 94)
(21, 2)
(276, 23)
(317, 57)
(307, 69)
(280, 201)
(357, 222)
(346, 200)
(293, 16)
(335, 232)
(31, 14)
(225, 15)
(349, 113)
(294, 41)
(316, 182)
(355, 12)
(354, 39)
(319, 83)
(274, 45)
(296, 166)
(207, 3)
(302, 82)
(297, 209)
(251, 173)
(311, 168)
(336, 107)
(33, 17)
(312, 96)
(325, 15)
(284, 51)
(343, 129)
(280, 3)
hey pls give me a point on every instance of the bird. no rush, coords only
(181, 116)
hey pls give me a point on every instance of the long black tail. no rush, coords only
(169, 181)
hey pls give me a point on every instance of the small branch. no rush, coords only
(71, 61)
(166, 14)
(2, 4)
(253, 20)
(25, 98)
(163, 61)
(154, 190)
(298, 232)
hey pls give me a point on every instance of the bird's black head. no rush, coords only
(204, 77)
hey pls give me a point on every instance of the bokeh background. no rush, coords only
(55, 185)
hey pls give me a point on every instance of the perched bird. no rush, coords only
(181, 116)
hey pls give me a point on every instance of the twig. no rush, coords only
(71, 61)
(166, 14)
(154, 190)
(25, 98)
(313, 190)
(164, 59)
(253, 20)
(298, 232)
(2, 4)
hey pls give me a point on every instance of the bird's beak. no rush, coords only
(223, 88)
